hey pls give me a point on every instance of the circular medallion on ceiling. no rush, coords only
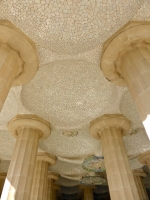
(68, 93)
(70, 133)
(93, 180)
(69, 26)
(94, 164)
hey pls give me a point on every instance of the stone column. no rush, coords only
(110, 129)
(2, 181)
(28, 129)
(138, 175)
(88, 193)
(54, 194)
(18, 59)
(51, 191)
(144, 158)
(40, 181)
(126, 61)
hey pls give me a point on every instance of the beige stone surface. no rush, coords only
(25, 49)
(51, 190)
(20, 174)
(53, 39)
(40, 180)
(18, 59)
(2, 181)
(138, 175)
(87, 192)
(119, 175)
(126, 61)
(144, 158)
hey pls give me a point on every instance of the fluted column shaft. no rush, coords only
(19, 178)
(40, 181)
(109, 129)
(50, 189)
(54, 192)
(119, 174)
(28, 129)
(135, 69)
(10, 63)
(120, 179)
(88, 193)
(140, 186)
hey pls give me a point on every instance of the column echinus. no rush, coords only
(126, 62)
(110, 129)
(52, 177)
(138, 176)
(144, 158)
(40, 180)
(18, 59)
(28, 130)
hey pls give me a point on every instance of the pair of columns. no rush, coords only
(110, 129)
(138, 176)
(18, 65)
(40, 185)
(27, 169)
(126, 62)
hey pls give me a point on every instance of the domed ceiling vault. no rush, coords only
(69, 90)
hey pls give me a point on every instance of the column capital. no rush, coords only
(117, 45)
(25, 47)
(139, 172)
(52, 175)
(109, 121)
(46, 157)
(143, 157)
(29, 121)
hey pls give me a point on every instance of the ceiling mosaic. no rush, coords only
(69, 26)
(69, 93)
(69, 90)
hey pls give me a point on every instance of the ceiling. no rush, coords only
(69, 90)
